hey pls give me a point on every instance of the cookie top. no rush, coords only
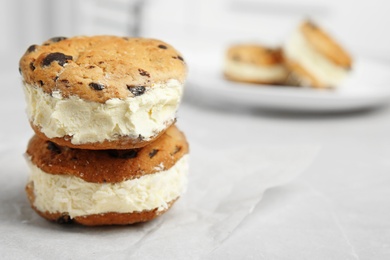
(99, 68)
(109, 166)
(323, 43)
(255, 54)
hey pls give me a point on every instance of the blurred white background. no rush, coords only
(199, 28)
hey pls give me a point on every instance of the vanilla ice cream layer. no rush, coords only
(272, 73)
(65, 193)
(90, 122)
(299, 50)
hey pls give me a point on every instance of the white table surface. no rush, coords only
(346, 188)
(339, 208)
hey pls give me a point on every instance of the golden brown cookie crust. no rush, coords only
(109, 218)
(100, 68)
(109, 166)
(256, 55)
(122, 143)
(323, 43)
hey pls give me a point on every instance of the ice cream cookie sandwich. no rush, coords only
(107, 187)
(255, 64)
(315, 58)
(102, 92)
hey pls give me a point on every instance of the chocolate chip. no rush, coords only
(40, 82)
(32, 67)
(55, 79)
(153, 153)
(101, 62)
(56, 56)
(66, 82)
(32, 48)
(64, 219)
(177, 149)
(91, 67)
(57, 39)
(130, 154)
(126, 154)
(163, 47)
(53, 147)
(113, 153)
(136, 90)
(144, 73)
(96, 86)
(178, 57)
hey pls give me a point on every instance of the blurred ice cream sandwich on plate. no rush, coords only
(254, 63)
(315, 59)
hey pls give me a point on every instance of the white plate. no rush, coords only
(367, 86)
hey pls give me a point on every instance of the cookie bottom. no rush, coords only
(122, 143)
(251, 81)
(103, 219)
(302, 77)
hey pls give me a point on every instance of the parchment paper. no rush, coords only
(224, 188)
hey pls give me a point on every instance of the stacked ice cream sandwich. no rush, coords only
(105, 150)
